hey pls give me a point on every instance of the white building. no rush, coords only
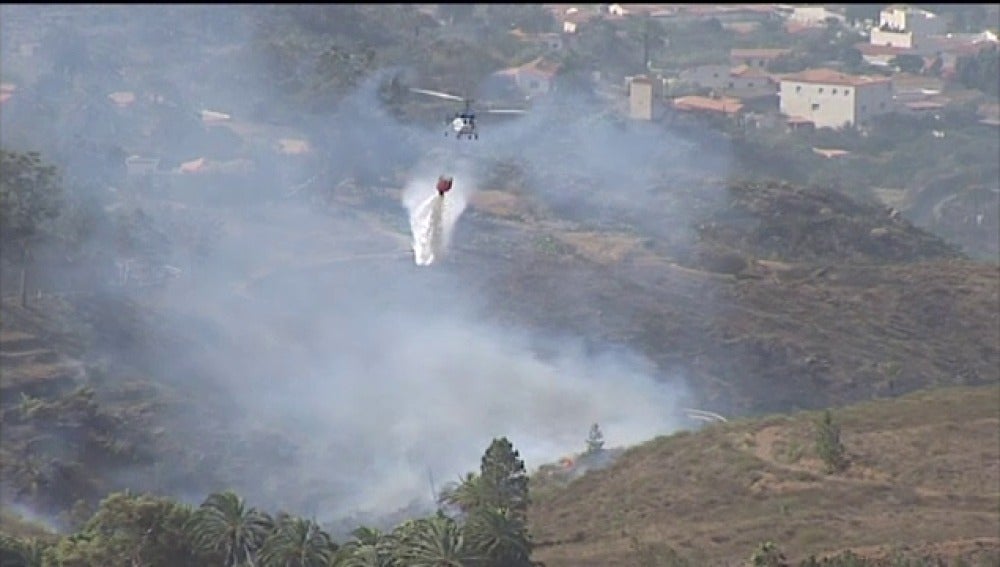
(642, 96)
(830, 99)
(905, 26)
(813, 15)
(708, 76)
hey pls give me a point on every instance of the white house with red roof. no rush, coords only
(533, 78)
(831, 99)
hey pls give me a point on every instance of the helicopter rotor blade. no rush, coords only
(439, 94)
(505, 111)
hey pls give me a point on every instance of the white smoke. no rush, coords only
(433, 216)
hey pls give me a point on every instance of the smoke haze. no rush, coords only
(323, 373)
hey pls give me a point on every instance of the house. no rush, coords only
(7, 91)
(724, 106)
(879, 55)
(642, 96)
(533, 78)
(746, 81)
(708, 76)
(830, 99)
(617, 10)
(906, 26)
(742, 80)
(122, 99)
(549, 41)
(759, 58)
(815, 15)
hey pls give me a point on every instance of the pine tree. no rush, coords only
(595, 440)
(828, 444)
(505, 482)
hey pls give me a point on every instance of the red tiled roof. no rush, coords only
(724, 105)
(541, 66)
(747, 71)
(831, 77)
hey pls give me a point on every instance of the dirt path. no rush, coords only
(763, 448)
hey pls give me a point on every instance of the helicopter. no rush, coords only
(463, 123)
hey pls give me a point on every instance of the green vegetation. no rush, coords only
(828, 445)
(129, 529)
(30, 193)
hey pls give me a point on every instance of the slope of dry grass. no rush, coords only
(925, 471)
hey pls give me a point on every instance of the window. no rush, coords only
(750, 85)
(715, 75)
(821, 90)
(815, 106)
(834, 91)
(847, 92)
(730, 84)
(798, 88)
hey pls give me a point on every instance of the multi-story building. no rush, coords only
(830, 99)
(905, 26)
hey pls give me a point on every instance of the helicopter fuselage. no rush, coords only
(464, 125)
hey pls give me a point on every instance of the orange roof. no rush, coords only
(725, 105)
(541, 66)
(193, 165)
(869, 49)
(746, 71)
(831, 77)
(763, 53)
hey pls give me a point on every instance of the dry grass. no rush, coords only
(925, 470)
(500, 204)
(600, 247)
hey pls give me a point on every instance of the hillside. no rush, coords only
(924, 468)
(803, 294)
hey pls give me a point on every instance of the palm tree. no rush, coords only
(297, 542)
(500, 535)
(369, 548)
(223, 523)
(434, 542)
(466, 494)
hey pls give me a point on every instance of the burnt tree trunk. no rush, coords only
(25, 259)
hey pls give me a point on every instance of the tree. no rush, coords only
(767, 554)
(828, 444)
(131, 530)
(437, 541)
(467, 494)
(595, 440)
(907, 63)
(369, 548)
(30, 198)
(223, 523)
(500, 536)
(297, 542)
(505, 482)
(22, 552)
